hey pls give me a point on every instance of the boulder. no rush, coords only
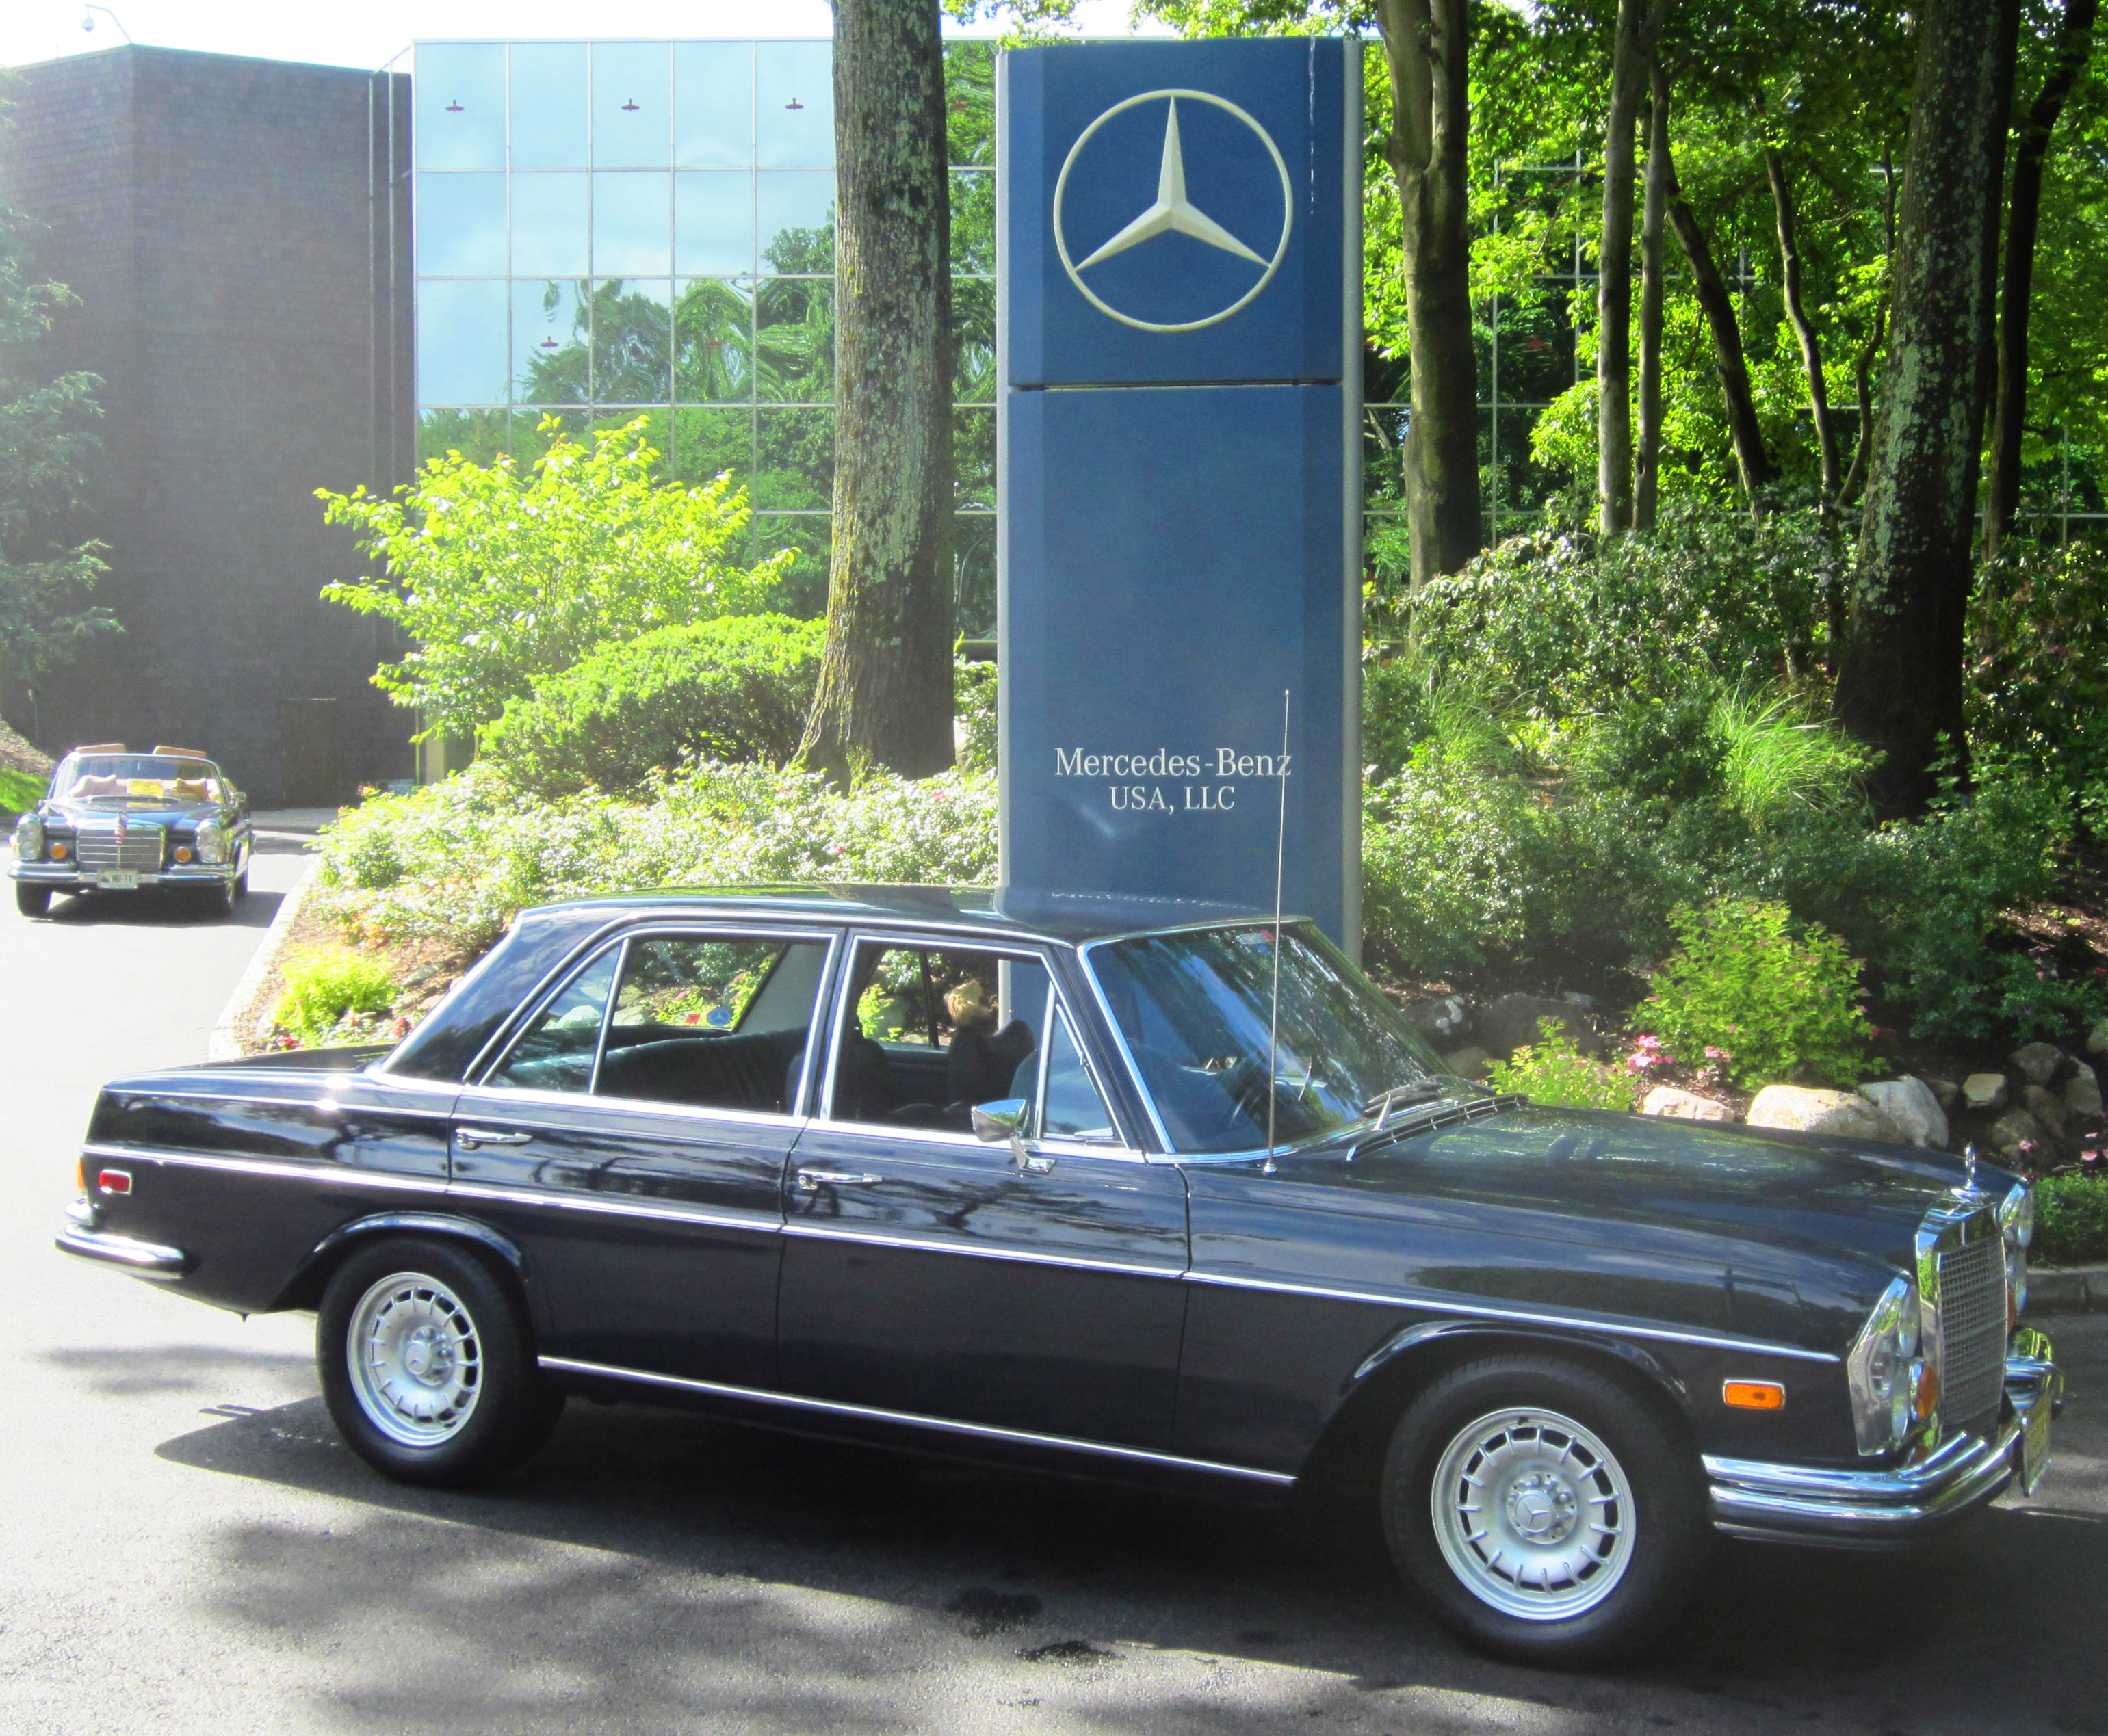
(1470, 1063)
(1666, 1099)
(1805, 1109)
(1911, 1105)
(1511, 1022)
(2017, 1136)
(2097, 1039)
(1586, 1003)
(2047, 1109)
(1946, 1090)
(1984, 1091)
(2040, 1061)
(1442, 1020)
(2082, 1092)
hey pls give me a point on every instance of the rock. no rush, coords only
(1804, 1109)
(1586, 1003)
(2047, 1109)
(1471, 1063)
(1441, 1020)
(2097, 1039)
(1946, 1091)
(2016, 1135)
(1910, 1104)
(2082, 1092)
(1984, 1091)
(1666, 1099)
(2041, 1062)
(1511, 1022)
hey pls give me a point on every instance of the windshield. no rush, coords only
(1194, 1006)
(159, 777)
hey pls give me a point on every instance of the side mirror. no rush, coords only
(1010, 1118)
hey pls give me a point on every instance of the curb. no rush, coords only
(2069, 1290)
(239, 1015)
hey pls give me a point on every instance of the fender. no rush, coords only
(299, 1288)
(1411, 1339)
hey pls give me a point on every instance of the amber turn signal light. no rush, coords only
(182, 852)
(1753, 1395)
(58, 852)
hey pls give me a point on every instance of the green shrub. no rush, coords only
(1772, 1003)
(737, 689)
(20, 791)
(324, 984)
(2071, 1219)
(973, 697)
(1552, 1070)
(2037, 686)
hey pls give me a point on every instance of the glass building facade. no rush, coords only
(607, 230)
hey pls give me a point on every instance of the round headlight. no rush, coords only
(1882, 1373)
(211, 843)
(29, 840)
(2016, 1214)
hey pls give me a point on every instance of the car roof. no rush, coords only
(1019, 913)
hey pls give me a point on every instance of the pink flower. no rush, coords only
(1715, 1054)
(2026, 1145)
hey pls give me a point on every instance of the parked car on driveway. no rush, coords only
(114, 821)
(1050, 1179)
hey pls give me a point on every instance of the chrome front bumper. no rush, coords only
(65, 877)
(1802, 1504)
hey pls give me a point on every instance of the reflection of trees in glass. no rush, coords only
(802, 252)
(563, 374)
(973, 340)
(478, 435)
(973, 457)
(712, 443)
(631, 345)
(970, 103)
(973, 222)
(795, 459)
(713, 339)
(803, 590)
(795, 333)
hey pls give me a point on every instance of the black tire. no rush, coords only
(32, 901)
(450, 1336)
(1588, 1488)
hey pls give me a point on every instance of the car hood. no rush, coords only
(71, 811)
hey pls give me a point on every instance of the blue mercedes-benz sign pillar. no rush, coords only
(1179, 337)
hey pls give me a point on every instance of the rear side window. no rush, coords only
(556, 1051)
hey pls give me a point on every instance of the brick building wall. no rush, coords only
(227, 223)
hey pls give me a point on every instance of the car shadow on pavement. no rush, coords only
(161, 908)
(698, 1530)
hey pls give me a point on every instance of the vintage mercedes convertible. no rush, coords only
(114, 821)
(1162, 1192)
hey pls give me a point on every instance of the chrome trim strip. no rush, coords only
(146, 1259)
(299, 1171)
(916, 1244)
(468, 1190)
(1495, 1311)
(1135, 1080)
(317, 1102)
(979, 1430)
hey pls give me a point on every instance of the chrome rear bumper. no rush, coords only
(1803, 1504)
(142, 1259)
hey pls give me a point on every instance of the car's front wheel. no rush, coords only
(1546, 1514)
(427, 1364)
(32, 901)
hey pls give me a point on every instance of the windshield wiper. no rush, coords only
(1418, 1090)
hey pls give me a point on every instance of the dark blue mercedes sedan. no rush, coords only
(1158, 1191)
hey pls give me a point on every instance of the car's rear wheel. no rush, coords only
(1548, 1514)
(427, 1364)
(32, 901)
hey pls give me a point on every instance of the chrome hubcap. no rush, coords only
(416, 1365)
(1534, 1513)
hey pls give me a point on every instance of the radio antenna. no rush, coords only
(1273, 1017)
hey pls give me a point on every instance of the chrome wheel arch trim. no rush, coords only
(948, 1425)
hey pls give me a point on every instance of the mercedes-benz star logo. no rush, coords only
(1172, 212)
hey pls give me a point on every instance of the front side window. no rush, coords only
(1072, 1110)
(1194, 1007)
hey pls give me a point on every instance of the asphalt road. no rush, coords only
(184, 1545)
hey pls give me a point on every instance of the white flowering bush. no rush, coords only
(455, 861)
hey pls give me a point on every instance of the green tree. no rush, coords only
(47, 446)
(503, 575)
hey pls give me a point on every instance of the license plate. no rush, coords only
(2034, 1444)
(118, 880)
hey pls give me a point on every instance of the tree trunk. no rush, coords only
(1811, 348)
(1614, 279)
(1646, 457)
(2074, 43)
(1426, 49)
(1729, 362)
(884, 691)
(1899, 682)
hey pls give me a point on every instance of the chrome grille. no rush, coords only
(1972, 1330)
(98, 848)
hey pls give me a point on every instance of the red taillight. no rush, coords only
(113, 1181)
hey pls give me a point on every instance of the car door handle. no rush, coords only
(472, 1137)
(812, 1180)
